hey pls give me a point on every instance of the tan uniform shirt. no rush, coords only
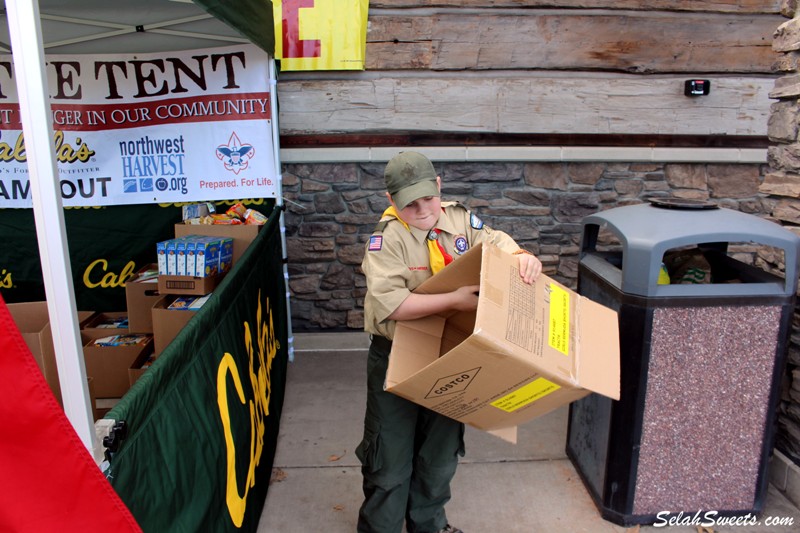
(396, 260)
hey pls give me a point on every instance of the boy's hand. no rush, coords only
(529, 267)
(466, 298)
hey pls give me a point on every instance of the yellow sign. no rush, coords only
(320, 34)
(535, 390)
(558, 339)
(261, 352)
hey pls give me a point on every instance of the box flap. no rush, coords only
(449, 278)
(507, 434)
(417, 343)
(599, 329)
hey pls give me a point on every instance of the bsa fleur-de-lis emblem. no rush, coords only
(235, 155)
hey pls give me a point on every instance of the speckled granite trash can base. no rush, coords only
(706, 405)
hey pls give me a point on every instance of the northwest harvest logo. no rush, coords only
(235, 155)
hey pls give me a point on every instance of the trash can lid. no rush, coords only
(647, 231)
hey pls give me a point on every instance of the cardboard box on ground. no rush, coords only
(527, 350)
(109, 365)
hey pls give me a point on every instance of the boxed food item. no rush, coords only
(141, 292)
(105, 324)
(203, 209)
(207, 255)
(172, 257)
(242, 234)
(161, 254)
(527, 350)
(109, 358)
(180, 254)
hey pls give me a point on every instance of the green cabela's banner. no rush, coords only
(202, 422)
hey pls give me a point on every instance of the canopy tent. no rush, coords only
(91, 27)
(94, 26)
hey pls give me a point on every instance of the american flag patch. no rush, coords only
(375, 243)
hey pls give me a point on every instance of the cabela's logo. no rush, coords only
(5, 279)
(235, 155)
(65, 152)
(261, 353)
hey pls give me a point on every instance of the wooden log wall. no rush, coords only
(537, 67)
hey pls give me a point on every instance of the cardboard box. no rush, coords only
(138, 367)
(167, 323)
(242, 234)
(527, 350)
(96, 327)
(93, 399)
(141, 292)
(192, 286)
(33, 321)
(108, 365)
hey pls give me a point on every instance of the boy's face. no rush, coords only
(422, 213)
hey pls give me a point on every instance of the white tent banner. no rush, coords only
(170, 127)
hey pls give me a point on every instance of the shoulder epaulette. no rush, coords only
(474, 220)
(381, 225)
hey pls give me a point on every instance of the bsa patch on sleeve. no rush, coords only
(375, 243)
(461, 244)
(475, 222)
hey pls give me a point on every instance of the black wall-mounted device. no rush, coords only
(696, 87)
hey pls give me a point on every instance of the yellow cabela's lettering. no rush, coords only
(267, 346)
(109, 279)
(66, 153)
(5, 279)
(15, 153)
(246, 201)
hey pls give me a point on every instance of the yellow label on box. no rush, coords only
(535, 390)
(559, 319)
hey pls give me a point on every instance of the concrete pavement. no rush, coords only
(499, 487)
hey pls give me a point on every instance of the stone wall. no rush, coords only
(782, 187)
(333, 208)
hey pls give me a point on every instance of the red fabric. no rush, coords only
(447, 257)
(48, 479)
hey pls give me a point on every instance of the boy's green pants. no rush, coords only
(408, 455)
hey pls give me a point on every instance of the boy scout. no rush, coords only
(408, 453)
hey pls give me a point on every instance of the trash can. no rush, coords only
(701, 363)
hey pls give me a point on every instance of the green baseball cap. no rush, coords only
(410, 176)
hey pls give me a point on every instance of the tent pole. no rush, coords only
(31, 79)
(273, 102)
